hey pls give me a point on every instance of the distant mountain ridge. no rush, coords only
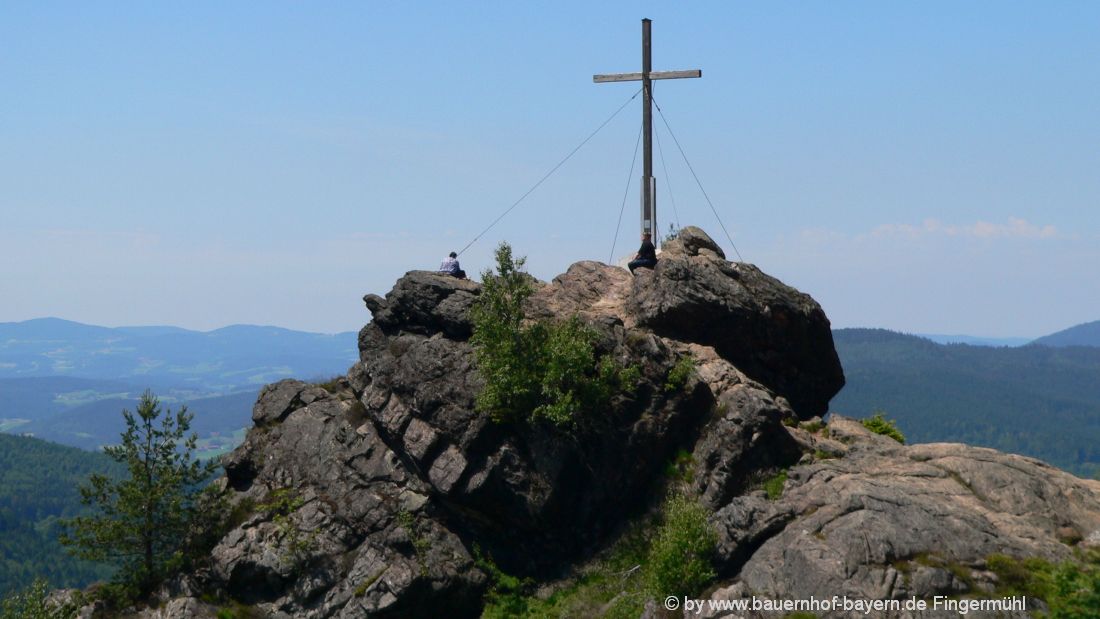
(1087, 334)
(67, 382)
(974, 340)
(1036, 400)
(96, 423)
(224, 360)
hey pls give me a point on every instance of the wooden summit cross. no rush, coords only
(649, 186)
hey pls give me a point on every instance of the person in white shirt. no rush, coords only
(450, 267)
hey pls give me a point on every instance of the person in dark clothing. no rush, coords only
(646, 256)
(450, 266)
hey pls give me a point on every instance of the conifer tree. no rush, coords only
(148, 522)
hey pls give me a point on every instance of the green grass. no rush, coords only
(331, 385)
(681, 468)
(421, 544)
(32, 603)
(241, 512)
(1070, 588)
(364, 586)
(680, 373)
(679, 559)
(812, 426)
(611, 586)
(1075, 593)
(652, 559)
(773, 486)
(879, 424)
(217, 444)
(1032, 577)
(236, 610)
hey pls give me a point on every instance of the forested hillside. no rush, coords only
(99, 423)
(1034, 400)
(38, 485)
(1087, 334)
(226, 360)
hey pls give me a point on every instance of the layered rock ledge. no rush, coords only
(868, 518)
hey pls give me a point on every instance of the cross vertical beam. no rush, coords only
(649, 184)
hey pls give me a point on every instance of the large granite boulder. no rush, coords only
(773, 333)
(692, 241)
(425, 302)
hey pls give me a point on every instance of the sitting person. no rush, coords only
(646, 256)
(450, 267)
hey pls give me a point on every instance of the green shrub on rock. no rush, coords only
(1075, 592)
(680, 558)
(879, 424)
(33, 603)
(536, 371)
(1031, 577)
(774, 485)
(680, 373)
(650, 560)
(1071, 588)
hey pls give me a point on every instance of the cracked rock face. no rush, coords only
(337, 525)
(774, 334)
(886, 521)
(372, 498)
(531, 495)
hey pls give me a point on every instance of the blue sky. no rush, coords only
(926, 167)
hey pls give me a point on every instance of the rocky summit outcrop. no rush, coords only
(773, 333)
(378, 495)
(870, 519)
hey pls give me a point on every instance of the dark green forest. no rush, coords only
(1086, 334)
(38, 486)
(1034, 400)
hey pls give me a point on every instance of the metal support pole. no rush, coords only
(649, 193)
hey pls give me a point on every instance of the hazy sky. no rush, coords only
(926, 167)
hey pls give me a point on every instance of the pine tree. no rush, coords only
(148, 522)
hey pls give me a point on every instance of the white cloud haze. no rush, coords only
(1014, 228)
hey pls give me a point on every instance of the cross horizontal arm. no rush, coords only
(674, 75)
(653, 75)
(618, 77)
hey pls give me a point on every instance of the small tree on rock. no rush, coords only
(150, 522)
(506, 350)
(536, 370)
(34, 603)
